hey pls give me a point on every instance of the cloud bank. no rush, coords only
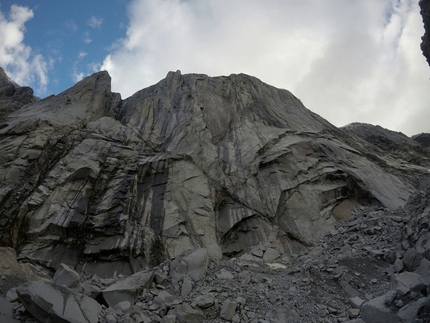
(16, 57)
(346, 60)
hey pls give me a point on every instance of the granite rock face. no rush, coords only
(225, 163)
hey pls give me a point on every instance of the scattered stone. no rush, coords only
(270, 255)
(398, 265)
(186, 314)
(281, 315)
(224, 274)
(6, 312)
(356, 302)
(191, 262)
(11, 295)
(204, 301)
(375, 310)
(66, 276)
(411, 259)
(187, 286)
(228, 309)
(127, 288)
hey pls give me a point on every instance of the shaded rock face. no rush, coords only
(425, 13)
(225, 163)
(396, 144)
(423, 139)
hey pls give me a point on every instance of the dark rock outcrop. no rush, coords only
(425, 13)
(423, 139)
(112, 186)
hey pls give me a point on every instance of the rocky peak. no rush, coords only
(13, 96)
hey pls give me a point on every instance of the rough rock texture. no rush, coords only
(49, 302)
(425, 13)
(228, 164)
(423, 139)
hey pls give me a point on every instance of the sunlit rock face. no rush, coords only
(224, 163)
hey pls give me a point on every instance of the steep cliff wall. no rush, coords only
(225, 163)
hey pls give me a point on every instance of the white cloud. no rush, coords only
(81, 69)
(87, 39)
(95, 22)
(346, 60)
(16, 57)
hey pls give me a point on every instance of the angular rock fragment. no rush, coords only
(375, 310)
(66, 276)
(186, 314)
(270, 255)
(127, 288)
(281, 315)
(228, 309)
(192, 263)
(204, 301)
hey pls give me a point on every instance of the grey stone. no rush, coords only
(186, 314)
(122, 306)
(187, 286)
(205, 301)
(89, 289)
(48, 301)
(169, 319)
(398, 265)
(356, 302)
(281, 315)
(258, 252)
(375, 310)
(128, 288)
(66, 276)
(11, 295)
(6, 312)
(411, 259)
(228, 309)
(224, 274)
(405, 282)
(409, 312)
(164, 298)
(270, 255)
(351, 291)
(192, 263)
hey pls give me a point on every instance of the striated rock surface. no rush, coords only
(222, 163)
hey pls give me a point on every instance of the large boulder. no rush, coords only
(49, 302)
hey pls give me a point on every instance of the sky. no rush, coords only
(346, 60)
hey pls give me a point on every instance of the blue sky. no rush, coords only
(347, 60)
(73, 37)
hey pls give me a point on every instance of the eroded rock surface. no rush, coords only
(111, 186)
